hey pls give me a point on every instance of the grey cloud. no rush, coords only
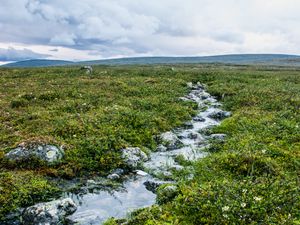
(12, 54)
(169, 27)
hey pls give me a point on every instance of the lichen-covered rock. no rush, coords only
(170, 140)
(44, 152)
(133, 157)
(49, 213)
(166, 193)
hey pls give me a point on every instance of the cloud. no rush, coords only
(110, 28)
(12, 54)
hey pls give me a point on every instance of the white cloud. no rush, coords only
(110, 28)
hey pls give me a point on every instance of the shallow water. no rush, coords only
(95, 208)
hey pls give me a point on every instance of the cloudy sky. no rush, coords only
(95, 29)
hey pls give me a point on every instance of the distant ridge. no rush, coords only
(38, 63)
(238, 59)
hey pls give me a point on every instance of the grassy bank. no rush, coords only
(252, 178)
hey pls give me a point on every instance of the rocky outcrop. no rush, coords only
(133, 157)
(44, 152)
(49, 213)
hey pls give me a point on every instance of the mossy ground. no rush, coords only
(251, 178)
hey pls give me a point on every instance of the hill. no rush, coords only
(237, 59)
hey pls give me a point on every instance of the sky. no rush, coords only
(97, 29)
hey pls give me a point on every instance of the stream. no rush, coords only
(94, 206)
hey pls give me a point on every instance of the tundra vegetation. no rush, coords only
(251, 178)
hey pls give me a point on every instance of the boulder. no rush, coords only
(50, 213)
(44, 152)
(133, 157)
(170, 140)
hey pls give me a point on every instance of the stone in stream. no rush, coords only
(161, 148)
(44, 152)
(170, 140)
(188, 125)
(153, 184)
(133, 157)
(113, 176)
(198, 119)
(49, 213)
(219, 114)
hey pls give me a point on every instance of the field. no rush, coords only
(252, 178)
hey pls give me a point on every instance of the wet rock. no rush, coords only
(198, 119)
(154, 184)
(133, 157)
(188, 125)
(49, 213)
(44, 152)
(119, 171)
(194, 135)
(161, 148)
(204, 95)
(170, 140)
(141, 173)
(219, 137)
(219, 114)
(166, 193)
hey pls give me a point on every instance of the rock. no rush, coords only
(161, 148)
(88, 69)
(141, 173)
(133, 157)
(154, 184)
(50, 213)
(219, 114)
(204, 96)
(219, 137)
(184, 99)
(188, 125)
(189, 84)
(198, 119)
(113, 176)
(166, 193)
(44, 152)
(119, 171)
(195, 136)
(170, 140)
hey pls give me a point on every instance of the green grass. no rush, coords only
(252, 178)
